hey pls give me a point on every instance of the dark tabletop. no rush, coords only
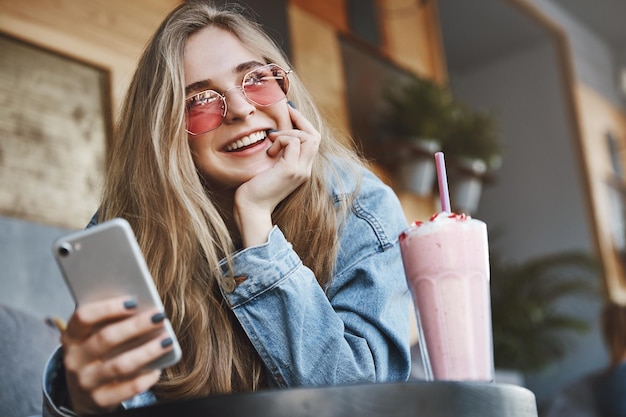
(415, 399)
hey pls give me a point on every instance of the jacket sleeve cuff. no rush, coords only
(257, 269)
(56, 399)
(55, 394)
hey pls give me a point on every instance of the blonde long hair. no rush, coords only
(151, 181)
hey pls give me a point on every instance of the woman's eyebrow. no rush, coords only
(246, 66)
(206, 84)
(198, 86)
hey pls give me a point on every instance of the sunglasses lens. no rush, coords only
(266, 85)
(205, 112)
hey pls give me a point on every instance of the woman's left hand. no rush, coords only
(294, 150)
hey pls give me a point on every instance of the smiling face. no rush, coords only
(234, 152)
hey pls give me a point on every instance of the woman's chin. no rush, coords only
(232, 180)
(258, 168)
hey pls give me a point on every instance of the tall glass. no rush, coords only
(446, 261)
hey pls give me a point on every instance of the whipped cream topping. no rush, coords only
(443, 216)
(247, 140)
(436, 221)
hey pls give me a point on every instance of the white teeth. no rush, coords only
(247, 140)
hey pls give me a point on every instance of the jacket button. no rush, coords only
(229, 284)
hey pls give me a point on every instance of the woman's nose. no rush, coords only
(237, 105)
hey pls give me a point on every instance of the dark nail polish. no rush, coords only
(158, 317)
(292, 104)
(130, 304)
(166, 342)
(272, 131)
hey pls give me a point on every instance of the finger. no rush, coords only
(103, 341)
(124, 366)
(310, 137)
(134, 361)
(116, 334)
(290, 145)
(278, 142)
(308, 146)
(301, 135)
(299, 121)
(111, 395)
(90, 315)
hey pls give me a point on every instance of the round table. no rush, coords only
(414, 398)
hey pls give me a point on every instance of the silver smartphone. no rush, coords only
(105, 261)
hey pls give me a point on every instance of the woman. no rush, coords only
(273, 249)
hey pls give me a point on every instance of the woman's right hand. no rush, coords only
(97, 380)
(294, 151)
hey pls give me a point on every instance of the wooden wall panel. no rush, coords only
(317, 58)
(106, 33)
(412, 36)
(597, 117)
(53, 129)
(333, 12)
(51, 154)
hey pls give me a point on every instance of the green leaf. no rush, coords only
(529, 332)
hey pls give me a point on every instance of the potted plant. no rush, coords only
(529, 331)
(415, 120)
(473, 147)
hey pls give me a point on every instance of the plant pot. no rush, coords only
(467, 185)
(417, 170)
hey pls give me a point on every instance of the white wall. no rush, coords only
(537, 199)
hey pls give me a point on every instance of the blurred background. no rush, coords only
(527, 99)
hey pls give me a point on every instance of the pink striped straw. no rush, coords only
(442, 179)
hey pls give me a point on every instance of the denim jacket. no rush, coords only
(354, 331)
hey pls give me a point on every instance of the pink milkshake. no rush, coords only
(446, 261)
